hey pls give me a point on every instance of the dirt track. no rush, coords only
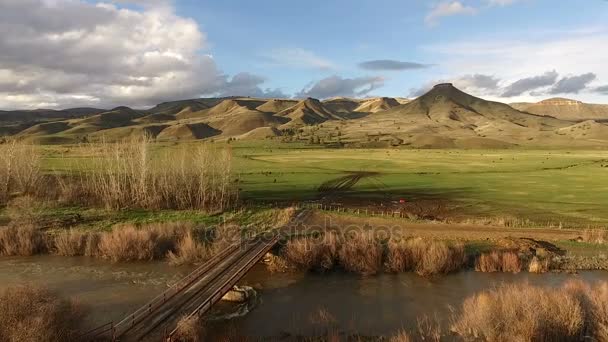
(320, 220)
(343, 183)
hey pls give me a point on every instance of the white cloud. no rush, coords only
(337, 86)
(62, 53)
(298, 58)
(446, 9)
(575, 52)
(501, 2)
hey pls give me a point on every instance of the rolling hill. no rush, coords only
(565, 109)
(445, 117)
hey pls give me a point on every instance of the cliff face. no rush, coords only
(565, 109)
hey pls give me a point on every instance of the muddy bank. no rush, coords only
(285, 304)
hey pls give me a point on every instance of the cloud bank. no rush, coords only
(68, 53)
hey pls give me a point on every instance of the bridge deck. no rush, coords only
(193, 295)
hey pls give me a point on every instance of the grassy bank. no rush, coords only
(460, 185)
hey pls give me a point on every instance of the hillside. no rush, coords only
(445, 117)
(308, 112)
(565, 109)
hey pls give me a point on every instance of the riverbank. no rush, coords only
(291, 306)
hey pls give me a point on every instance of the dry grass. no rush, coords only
(599, 236)
(30, 313)
(538, 265)
(174, 241)
(190, 329)
(188, 250)
(425, 257)
(126, 175)
(71, 243)
(401, 336)
(498, 261)
(24, 210)
(594, 300)
(521, 313)
(19, 169)
(131, 243)
(361, 253)
(313, 253)
(528, 313)
(21, 240)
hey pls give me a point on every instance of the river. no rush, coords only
(288, 303)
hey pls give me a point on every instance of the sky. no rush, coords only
(72, 53)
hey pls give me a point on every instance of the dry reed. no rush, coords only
(30, 313)
(70, 243)
(425, 257)
(318, 253)
(498, 261)
(539, 265)
(599, 236)
(19, 169)
(527, 313)
(21, 240)
(127, 175)
(361, 253)
(188, 250)
(190, 329)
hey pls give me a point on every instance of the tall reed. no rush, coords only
(19, 169)
(29, 313)
(21, 240)
(129, 174)
(528, 313)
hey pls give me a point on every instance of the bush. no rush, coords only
(188, 250)
(425, 257)
(521, 313)
(313, 253)
(19, 169)
(126, 176)
(538, 265)
(498, 262)
(30, 313)
(361, 253)
(189, 329)
(131, 243)
(23, 240)
(71, 243)
(598, 236)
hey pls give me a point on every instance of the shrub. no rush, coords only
(521, 313)
(23, 240)
(312, 253)
(361, 253)
(497, 261)
(188, 250)
(598, 236)
(538, 265)
(71, 243)
(130, 243)
(190, 329)
(19, 169)
(126, 176)
(441, 258)
(399, 257)
(30, 313)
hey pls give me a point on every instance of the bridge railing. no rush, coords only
(156, 302)
(219, 293)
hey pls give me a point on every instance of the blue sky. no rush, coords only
(58, 53)
(244, 35)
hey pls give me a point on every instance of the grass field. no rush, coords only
(543, 186)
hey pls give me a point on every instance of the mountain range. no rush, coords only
(445, 117)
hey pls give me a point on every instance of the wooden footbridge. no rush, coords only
(193, 295)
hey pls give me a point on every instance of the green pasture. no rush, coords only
(544, 186)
